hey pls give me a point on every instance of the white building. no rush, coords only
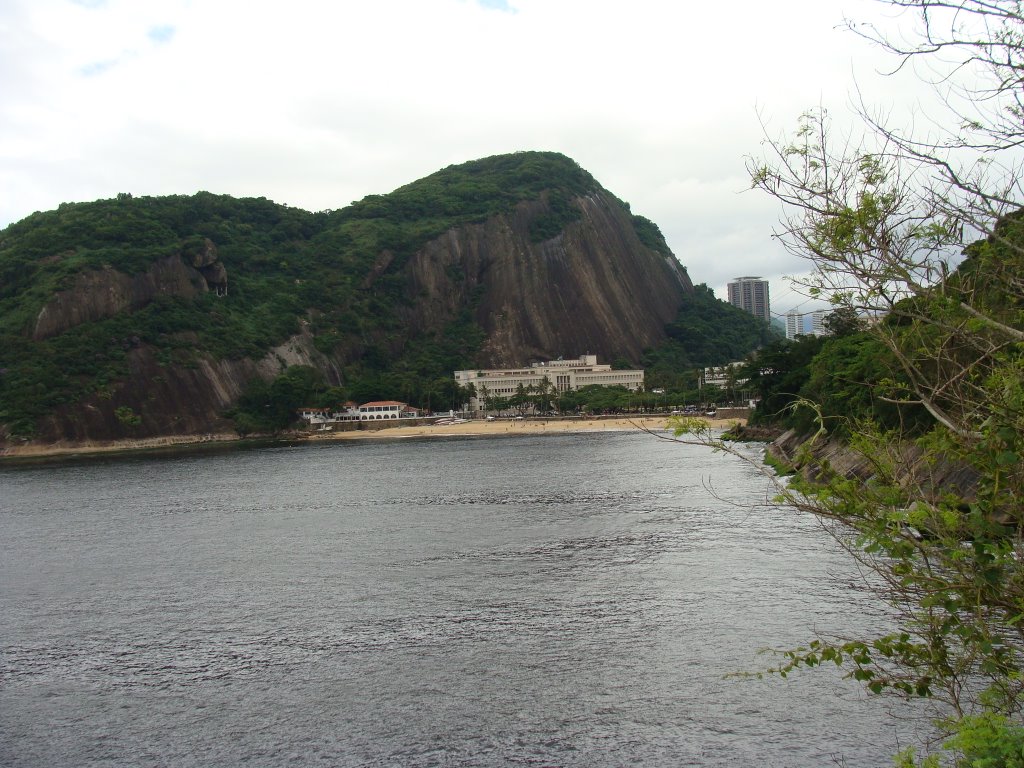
(794, 325)
(719, 375)
(315, 415)
(379, 409)
(562, 375)
(347, 412)
(818, 322)
(386, 409)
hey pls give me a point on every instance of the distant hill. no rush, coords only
(136, 317)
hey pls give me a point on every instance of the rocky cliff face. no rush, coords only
(107, 292)
(174, 400)
(593, 288)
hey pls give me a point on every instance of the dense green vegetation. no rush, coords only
(850, 376)
(706, 332)
(928, 404)
(338, 274)
(271, 406)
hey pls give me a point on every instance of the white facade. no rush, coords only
(719, 375)
(818, 322)
(347, 412)
(315, 415)
(794, 325)
(386, 409)
(381, 409)
(562, 375)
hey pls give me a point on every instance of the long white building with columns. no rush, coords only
(563, 375)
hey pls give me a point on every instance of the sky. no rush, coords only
(318, 103)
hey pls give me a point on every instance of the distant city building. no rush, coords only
(794, 325)
(873, 318)
(724, 375)
(818, 322)
(562, 375)
(751, 295)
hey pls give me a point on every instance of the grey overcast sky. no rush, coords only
(316, 103)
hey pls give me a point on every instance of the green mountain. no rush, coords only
(139, 317)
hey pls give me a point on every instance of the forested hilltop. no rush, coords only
(135, 317)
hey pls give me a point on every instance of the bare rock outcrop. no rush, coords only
(918, 470)
(106, 292)
(175, 400)
(593, 288)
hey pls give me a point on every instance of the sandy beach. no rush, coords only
(479, 427)
(498, 427)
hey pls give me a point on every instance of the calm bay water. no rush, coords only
(570, 600)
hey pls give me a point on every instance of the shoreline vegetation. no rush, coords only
(472, 428)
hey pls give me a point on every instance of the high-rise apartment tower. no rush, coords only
(794, 325)
(751, 295)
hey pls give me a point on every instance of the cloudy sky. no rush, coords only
(316, 103)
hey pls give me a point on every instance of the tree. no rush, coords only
(974, 52)
(569, 401)
(544, 395)
(928, 232)
(843, 321)
(446, 393)
(777, 374)
(521, 400)
(465, 395)
(271, 407)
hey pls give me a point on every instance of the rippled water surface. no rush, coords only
(571, 600)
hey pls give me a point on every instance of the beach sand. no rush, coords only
(479, 427)
(510, 427)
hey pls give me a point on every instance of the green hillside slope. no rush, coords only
(96, 309)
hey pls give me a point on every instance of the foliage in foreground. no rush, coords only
(935, 392)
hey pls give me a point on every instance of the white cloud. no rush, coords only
(316, 103)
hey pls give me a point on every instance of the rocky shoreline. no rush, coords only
(78, 448)
(932, 477)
